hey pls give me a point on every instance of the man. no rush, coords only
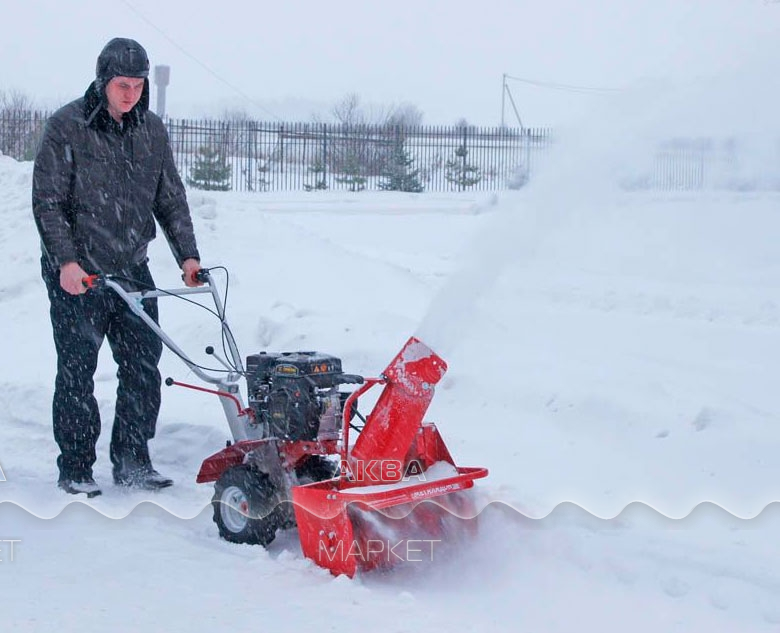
(103, 174)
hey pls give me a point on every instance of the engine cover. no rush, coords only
(292, 392)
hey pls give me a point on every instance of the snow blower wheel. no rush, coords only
(244, 506)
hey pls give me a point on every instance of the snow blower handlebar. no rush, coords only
(227, 382)
(134, 299)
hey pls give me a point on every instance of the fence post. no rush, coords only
(281, 148)
(527, 142)
(463, 158)
(324, 153)
(249, 134)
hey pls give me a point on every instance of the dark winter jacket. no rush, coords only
(98, 186)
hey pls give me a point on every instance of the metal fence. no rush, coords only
(699, 164)
(255, 156)
(20, 132)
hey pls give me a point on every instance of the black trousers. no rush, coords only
(80, 323)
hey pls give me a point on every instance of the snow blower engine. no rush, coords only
(291, 461)
(295, 395)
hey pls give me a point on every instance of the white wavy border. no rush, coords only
(562, 508)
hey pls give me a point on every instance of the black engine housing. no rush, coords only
(295, 394)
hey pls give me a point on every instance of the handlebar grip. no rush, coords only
(91, 281)
(201, 275)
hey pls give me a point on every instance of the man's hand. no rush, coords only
(71, 278)
(189, 267)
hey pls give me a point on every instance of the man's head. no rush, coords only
(122, 73)
(121, 57)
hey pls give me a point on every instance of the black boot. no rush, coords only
(142, 477)
(134, 469)
(84, 485)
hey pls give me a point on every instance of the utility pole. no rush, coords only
(505, 92)
(503, 97)
(162, 77)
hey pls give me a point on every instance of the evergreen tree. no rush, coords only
(263, 168)
(211, 171)
(351, 174)
(398, 174)
(318, 169)
(459, 172)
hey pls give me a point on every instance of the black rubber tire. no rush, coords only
(316, 468)
(244, 505)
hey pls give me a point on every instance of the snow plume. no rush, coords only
(514, 233)
(575, 174)
(723, 113)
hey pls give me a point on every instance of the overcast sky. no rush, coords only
(295, 58)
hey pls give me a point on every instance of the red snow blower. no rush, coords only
(392, 495)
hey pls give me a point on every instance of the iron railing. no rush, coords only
(298, 156)
(255, 156)
(20, 133)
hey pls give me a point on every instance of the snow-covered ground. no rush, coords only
(604, 349)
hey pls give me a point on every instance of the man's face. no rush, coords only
(122, 94)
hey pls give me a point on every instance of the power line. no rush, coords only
(197, 61)
(505, 91)
(559, 86)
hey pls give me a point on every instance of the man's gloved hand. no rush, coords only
(189, 267)
(71, 278)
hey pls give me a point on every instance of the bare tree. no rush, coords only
(348, 110)
(21, 126)
(14, 102)
(235, 114)
(404, 115)
(367, 137)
